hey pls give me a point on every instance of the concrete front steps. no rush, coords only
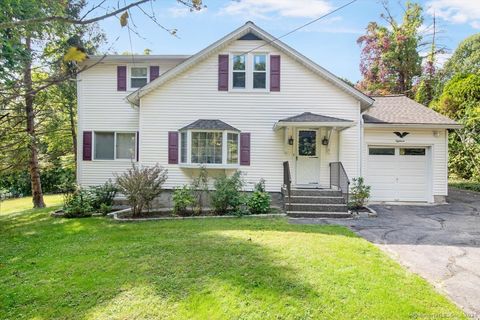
(316, 203)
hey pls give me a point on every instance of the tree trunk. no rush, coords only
(37, 194)
(73, 131)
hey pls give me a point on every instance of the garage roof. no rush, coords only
(401, 110)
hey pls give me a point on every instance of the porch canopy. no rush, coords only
(312, 120)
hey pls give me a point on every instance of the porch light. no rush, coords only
(325, 141)
(290, 141)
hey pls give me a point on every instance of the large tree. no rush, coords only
(390, 60)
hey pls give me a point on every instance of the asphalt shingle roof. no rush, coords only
(208, 124)
(399, 109)
(312, 117)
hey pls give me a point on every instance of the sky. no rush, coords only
(330, 42)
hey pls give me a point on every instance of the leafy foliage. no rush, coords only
(200, 190)
(465, 59)
(228, 193)
(359, 193)
(182, 200)
(103, 196)
(141, 185)
(78, 204)
(389, 58)
(259, 201)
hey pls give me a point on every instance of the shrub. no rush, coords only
(182, 200)
(141, 186)
(228, 193)
(103, 195)
(77, 204)
(259, 201)
(199, 189)
(359, 193)
(105, 209)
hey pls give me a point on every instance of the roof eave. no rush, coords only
(413, 125)
(313, 124)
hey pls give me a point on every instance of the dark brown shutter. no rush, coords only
(223, 72)
(154, 72)
(172, 147)
(87, 146)
(274, 73)
(138, 146)
(121, 78)
(245, 149)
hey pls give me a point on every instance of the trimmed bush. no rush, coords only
(228, 193)
(259, 201)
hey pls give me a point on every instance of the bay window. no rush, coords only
(209, 147)
(114, 145)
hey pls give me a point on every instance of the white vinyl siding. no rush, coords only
(102, 108)
(432, 139)
(253, 112)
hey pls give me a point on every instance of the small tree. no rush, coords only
(141, 186)
(359, 193)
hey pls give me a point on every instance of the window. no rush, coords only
(104, 145)
(114, 145)
(232, 148)
(207, 147)
(412, 151)
(183, 147)
(239, 72)
(138, 77)
(125, 146)
(381, 151)
(259, 71)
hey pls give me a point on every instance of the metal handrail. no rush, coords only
(339, 179)
(287, 181)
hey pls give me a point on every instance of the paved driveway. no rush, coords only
(441, 242)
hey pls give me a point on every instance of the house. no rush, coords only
(249, 102)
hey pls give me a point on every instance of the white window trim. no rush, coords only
(249, 69)
(129, 75)
(134, 158)
(223, 165)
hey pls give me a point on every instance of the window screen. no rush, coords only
(104, 145)
(125, 145)
(381, 151)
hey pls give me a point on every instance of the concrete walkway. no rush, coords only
(439, 242)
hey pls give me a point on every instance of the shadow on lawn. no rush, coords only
(93, 267)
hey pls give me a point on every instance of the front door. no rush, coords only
(307, 164)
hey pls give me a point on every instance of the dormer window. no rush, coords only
(138, 77)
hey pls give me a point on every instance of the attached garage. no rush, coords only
(405, 151)
(399, 173)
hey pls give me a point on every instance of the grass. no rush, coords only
(21, 204)
(246, 268)
(464, 184)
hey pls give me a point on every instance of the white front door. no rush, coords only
(308, 161)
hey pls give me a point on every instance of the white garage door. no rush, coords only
(397, 173)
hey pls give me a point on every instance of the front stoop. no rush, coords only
(316, 203)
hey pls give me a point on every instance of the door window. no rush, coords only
(381, 151)
(307, 143)
(412, 151)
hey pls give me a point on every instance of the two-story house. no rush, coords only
(249, 102)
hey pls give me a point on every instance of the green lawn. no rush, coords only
(465, 184)
(94, 268)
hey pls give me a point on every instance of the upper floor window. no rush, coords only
(239, 72)
(138, 77)
(249, 71)
(114, 145)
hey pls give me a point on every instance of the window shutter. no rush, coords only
(138, 146)
(223, 72)
(87, 146)
(154, 72)
(244, 149)
(121, 78)
(274, 73)
(172, 147)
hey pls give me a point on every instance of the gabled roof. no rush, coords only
(249, 29)
(207, 124)
(312, 117)
(401, 110)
